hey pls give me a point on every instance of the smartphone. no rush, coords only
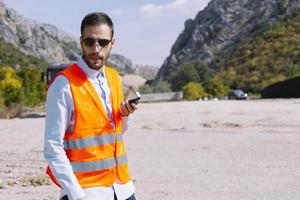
(134, 101)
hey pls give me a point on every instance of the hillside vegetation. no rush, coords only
(271, 56)
(11, 56)
(21, 79)
(268, 57)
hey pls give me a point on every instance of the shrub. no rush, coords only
(216, 88)
(159, 87)
(193, 91)
(145, 89)
(34, 89)
(10, 88)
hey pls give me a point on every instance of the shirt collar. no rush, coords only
(91, 73)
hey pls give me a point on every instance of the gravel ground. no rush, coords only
(181, 150)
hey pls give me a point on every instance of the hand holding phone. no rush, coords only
(134, 101)
(129, 106)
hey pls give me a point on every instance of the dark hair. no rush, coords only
(97, 18)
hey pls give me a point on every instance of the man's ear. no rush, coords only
(81, 41)
(113, 40)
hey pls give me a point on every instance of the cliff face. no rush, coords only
(41, 40)
(221, 26)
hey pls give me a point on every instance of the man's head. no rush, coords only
(96, 39)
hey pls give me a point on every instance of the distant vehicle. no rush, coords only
(237, 94)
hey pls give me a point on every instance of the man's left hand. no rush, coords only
(127, 109)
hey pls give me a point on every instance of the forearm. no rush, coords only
(62, 170)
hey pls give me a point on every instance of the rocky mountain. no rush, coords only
(48, 43)
(41, 40)
(126, 66)
(221, 27)
(147, 71)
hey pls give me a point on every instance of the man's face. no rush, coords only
(96, 43)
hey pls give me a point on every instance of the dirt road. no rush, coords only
(228, 150)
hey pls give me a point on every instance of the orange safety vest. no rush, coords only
(95, 149)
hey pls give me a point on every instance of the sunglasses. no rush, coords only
(89, 42)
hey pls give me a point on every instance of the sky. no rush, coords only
(144, 30)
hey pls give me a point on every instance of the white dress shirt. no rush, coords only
(60, 119)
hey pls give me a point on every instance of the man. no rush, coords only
(86, 118)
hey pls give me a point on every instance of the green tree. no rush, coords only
(190, 72)
(193, 91)
(34, 89)
(10, 88)
(216, 88)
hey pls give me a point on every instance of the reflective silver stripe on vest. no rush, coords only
(122, 159)
(92, 141)
(98, 165)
